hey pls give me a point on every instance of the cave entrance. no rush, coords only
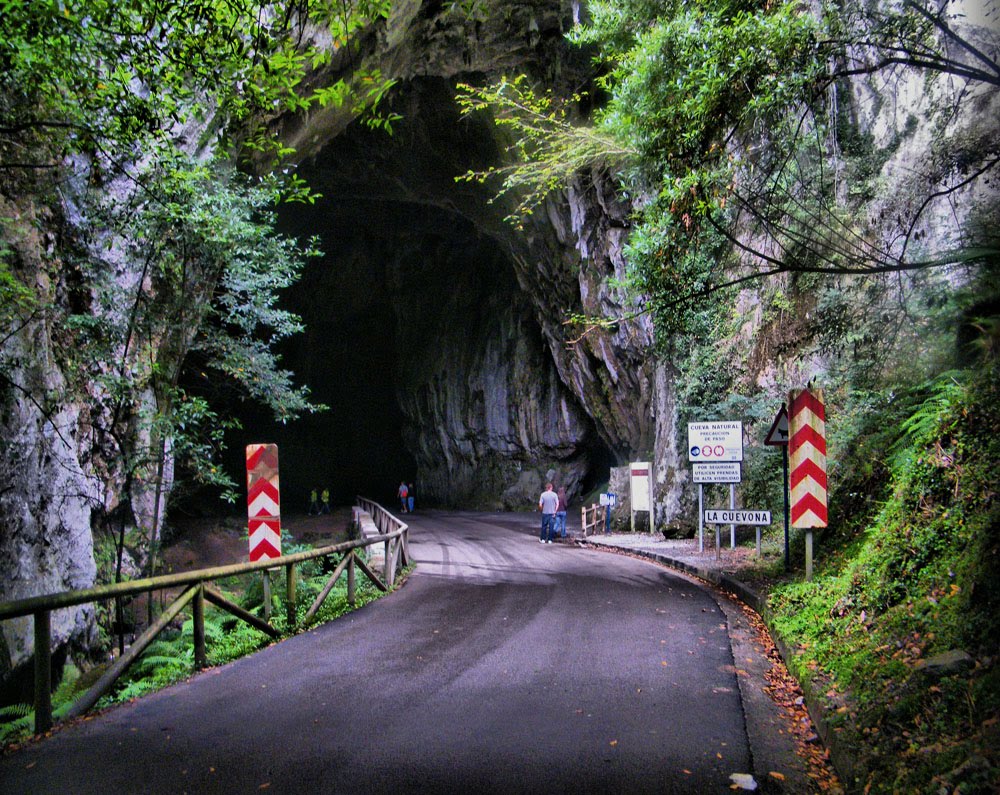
(418, 336)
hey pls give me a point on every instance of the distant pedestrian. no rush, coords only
(402, 494)
(325, 507)
(410, 495)
(547, 504)
(313, 502)
(560, 528)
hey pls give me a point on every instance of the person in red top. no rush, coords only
(560, 526)
(402, 493)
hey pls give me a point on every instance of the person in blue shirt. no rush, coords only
(547, 504)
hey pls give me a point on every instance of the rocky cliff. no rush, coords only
(491, 391)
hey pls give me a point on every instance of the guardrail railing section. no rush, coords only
(391, 534)
(592, 519)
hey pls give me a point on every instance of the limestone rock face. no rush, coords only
(46, 492)
(486, 421)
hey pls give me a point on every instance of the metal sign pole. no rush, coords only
(732, 507)
(784, 461)
(701, 517)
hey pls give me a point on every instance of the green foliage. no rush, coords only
(915, 580)
(548, 148)
(723, 123)
(93, 76)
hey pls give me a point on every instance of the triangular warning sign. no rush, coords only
(778, 435)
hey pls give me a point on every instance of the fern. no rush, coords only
(925, 425)
(15, 711)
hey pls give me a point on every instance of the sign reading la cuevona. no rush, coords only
(737, 516)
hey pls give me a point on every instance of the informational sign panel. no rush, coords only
(609, 498)
(639, 479)
(741, 517)
(263, 502)
(807, 458)
(719, 472)
(715, 441)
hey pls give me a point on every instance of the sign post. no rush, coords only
(640, 486)
(778, 437)
(715, 450)
(807, 460)
(263, 509)
(609, 500)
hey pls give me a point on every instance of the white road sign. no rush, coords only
(715, 441)
(724, 516)
(640, 481)
(718, 472)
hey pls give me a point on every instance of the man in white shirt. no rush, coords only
(547, 504)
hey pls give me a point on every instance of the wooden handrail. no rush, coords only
(595, 520)
(25, 607)
(40, 607)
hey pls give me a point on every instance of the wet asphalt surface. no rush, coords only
(502, 665)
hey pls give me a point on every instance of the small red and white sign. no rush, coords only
(807, 458)
(263, 502)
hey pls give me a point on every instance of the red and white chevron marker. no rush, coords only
(807, 458)
(263, 501)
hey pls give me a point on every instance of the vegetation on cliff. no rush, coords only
(140, 265)
(775, 241)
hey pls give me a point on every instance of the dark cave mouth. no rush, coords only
(410, 317)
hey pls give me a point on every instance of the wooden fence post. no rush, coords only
(198, 628)
(43, 672)
(351, 597)
(290, 594)
(388, 572)
(267, 594)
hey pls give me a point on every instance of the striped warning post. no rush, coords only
(263, 502)
(807, 458)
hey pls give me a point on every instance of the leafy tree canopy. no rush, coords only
(159, 100)
(720, 119)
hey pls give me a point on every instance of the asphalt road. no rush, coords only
(502, 665)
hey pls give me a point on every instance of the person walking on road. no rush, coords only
(325, 507)
(547, 504)
(560, 528)
(313, 503)
(402, 493)
(410, 496)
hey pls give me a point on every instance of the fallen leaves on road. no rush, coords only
(786, 693)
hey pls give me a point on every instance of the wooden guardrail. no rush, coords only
(592, 519)
(393, 535)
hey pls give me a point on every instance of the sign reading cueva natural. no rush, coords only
(715, 441)
(263, 502)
